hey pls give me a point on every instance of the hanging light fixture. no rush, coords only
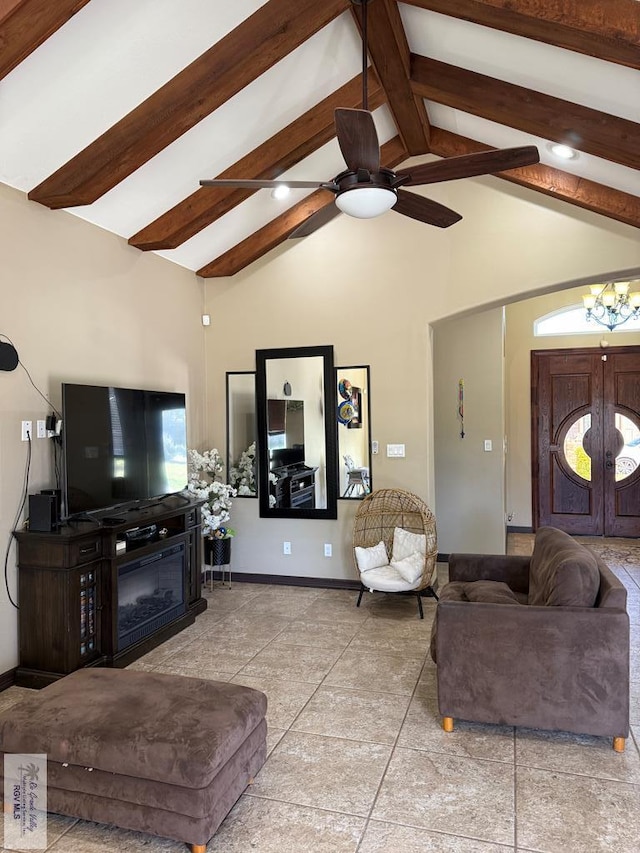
(612, 304)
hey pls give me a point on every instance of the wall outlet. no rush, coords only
(41, 429)
(286, 548)
(328, 550)
(374, 447)
(27, 430)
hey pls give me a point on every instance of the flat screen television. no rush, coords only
(121, 445)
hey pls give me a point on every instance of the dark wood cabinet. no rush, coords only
(70, 581)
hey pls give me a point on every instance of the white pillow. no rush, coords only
(410, 567)
(372, 558)
(406, 543)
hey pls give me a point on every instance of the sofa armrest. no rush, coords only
(514, 571)
(562, 668)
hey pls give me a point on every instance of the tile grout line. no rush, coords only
(391, 754)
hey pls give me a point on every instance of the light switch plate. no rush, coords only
(395, 450)
(488, 445)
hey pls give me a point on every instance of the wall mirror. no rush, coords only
(296, 430)
(352, 399)
(241, 432)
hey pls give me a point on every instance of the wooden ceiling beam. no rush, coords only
(272, 32)
(573, 189)
(279, 153)
(609, 31)
(585, 129)
(26, 24)
(390, 56)
(279, 229)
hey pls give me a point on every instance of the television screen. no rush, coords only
(121, 445)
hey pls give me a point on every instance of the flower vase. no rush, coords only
(217, 552)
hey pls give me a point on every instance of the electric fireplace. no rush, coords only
(150, 594)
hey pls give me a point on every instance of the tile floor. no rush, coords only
(358, 762)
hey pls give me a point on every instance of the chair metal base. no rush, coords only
(428, 591)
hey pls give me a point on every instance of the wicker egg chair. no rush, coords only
(376, 519)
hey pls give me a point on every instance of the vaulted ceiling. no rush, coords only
(115, 109)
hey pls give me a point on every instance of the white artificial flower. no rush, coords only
(204, 486)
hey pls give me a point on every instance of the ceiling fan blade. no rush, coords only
(358, 139)
(425, 210)
(470, 165)
(258, 184)
(315, 221)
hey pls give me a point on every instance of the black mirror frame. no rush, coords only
(330, 433)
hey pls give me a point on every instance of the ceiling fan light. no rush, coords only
(366, 202)
(280, 192)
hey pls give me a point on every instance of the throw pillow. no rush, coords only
(406, 543)
(410, 567)
(371, 558)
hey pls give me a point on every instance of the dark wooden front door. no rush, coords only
(586, 440)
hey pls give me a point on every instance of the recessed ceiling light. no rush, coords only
(563, 151)
(280, 192)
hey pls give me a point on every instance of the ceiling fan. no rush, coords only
(366, 189)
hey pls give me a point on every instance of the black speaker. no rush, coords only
(43, 513)
(8, 356)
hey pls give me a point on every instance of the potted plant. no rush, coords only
(205, 485)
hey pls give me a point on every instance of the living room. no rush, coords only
(81, 305)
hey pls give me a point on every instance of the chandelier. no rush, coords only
(611, 304)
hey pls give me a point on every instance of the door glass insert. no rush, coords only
(628, 447)
(575, 448)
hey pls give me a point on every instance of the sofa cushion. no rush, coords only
(148, 725)
(563, 573)
(490, 592)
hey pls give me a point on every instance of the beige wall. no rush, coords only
(469, 479)
(82, 306)
(372, 289)
(519, 343)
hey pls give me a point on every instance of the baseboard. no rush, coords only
(287, 580)
(7, 679)
(511, 529)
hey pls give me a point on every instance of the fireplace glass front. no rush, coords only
(150, 594)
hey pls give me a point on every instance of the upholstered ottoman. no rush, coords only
(162, 754)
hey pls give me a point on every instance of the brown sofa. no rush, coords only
(540, 641)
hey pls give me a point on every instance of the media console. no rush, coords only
(295, 487)
(104, 592)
